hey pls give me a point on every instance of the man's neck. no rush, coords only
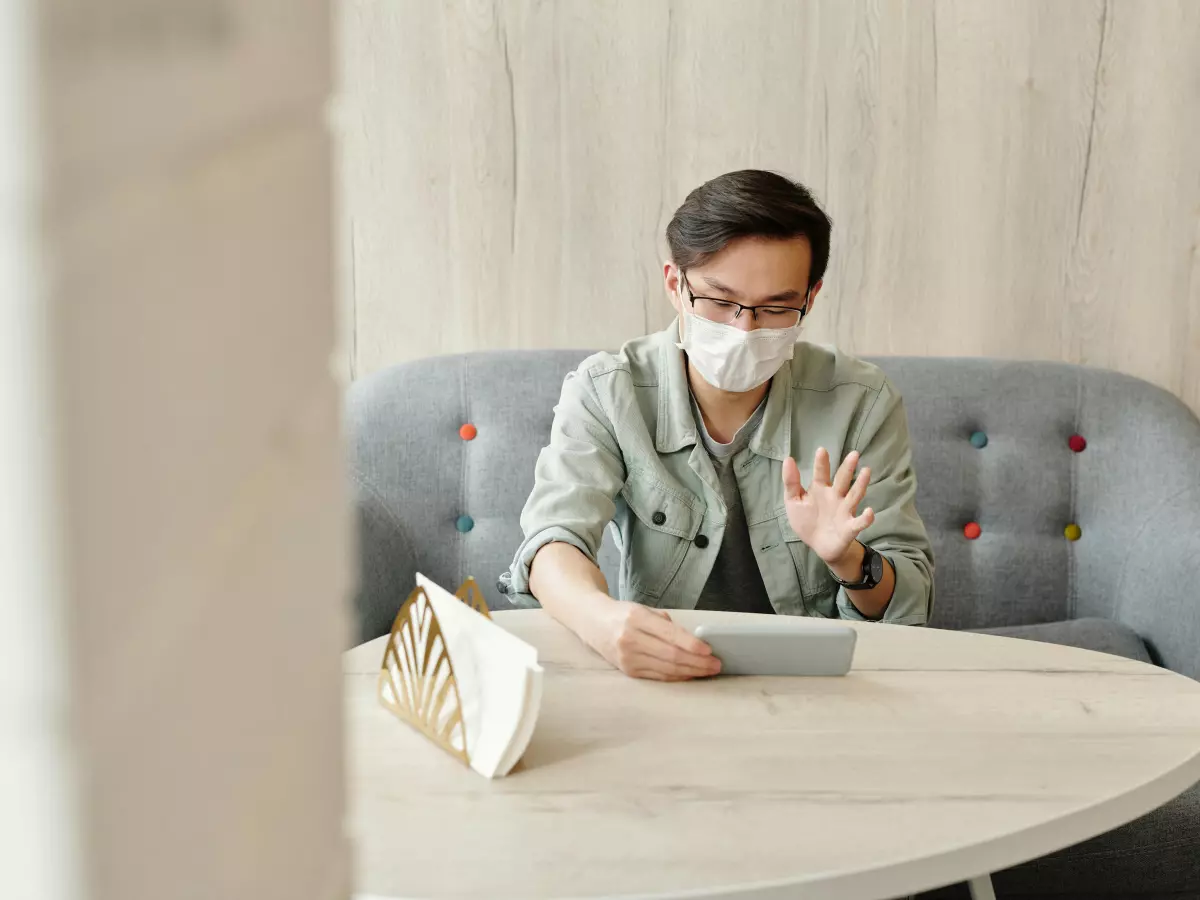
(724, 412)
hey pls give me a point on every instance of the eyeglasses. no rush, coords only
(725, 312)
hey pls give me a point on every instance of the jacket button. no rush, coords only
(701, 541)
(659, 517)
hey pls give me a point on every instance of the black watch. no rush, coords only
(872, 572)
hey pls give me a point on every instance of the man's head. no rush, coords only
(752, 238)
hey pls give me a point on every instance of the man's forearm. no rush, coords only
(870, 603)
(571, 588)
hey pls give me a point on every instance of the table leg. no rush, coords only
(981, 888)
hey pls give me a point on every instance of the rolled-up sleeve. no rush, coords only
(897, 532)
(575, 482)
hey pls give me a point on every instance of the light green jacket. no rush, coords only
(624, 449)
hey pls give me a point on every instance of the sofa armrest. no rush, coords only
(387, 569)
(1157, 590)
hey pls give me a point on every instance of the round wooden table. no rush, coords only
(942, 757)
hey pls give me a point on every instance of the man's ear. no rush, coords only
(812, 295)
(671, 283)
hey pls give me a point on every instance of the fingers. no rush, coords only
(821, 467)
(674, 647)
(647, 665)
(645, 643)
(861, 523)
(657, 670)
(673, 635)
(644, 655)
(792, 489)
(677, 657)
(844, 479)
(858, 490)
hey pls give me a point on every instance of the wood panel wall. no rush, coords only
(1015, 179)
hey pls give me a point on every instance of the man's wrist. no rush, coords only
(849, 566)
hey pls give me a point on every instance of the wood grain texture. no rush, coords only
(1015, 180)
(942, 756)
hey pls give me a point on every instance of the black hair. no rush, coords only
(748, 203)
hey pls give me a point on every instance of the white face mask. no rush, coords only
(734, 360)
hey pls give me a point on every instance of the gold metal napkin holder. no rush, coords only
(416, 680)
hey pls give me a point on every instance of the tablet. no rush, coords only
(780, 647)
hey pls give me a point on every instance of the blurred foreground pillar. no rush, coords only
(173, 543)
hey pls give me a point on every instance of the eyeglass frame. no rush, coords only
(692, 298)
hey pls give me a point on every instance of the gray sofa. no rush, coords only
(991, 444)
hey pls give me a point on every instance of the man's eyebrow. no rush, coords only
(719, 286)
(783, 297)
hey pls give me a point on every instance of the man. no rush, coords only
(687, 441)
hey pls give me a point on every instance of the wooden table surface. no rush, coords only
(942, 756)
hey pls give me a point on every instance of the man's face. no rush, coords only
(750, 271)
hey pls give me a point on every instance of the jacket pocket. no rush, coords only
(664, 523)
(818, 590)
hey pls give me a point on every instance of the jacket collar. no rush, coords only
(677, 426)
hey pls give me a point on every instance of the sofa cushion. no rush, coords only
(1103, 635)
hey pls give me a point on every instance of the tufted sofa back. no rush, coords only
(431, 500)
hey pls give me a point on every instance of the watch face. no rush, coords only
(876, 568)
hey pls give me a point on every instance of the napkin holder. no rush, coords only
(416, 680)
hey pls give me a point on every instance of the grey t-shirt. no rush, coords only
(735, 584)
